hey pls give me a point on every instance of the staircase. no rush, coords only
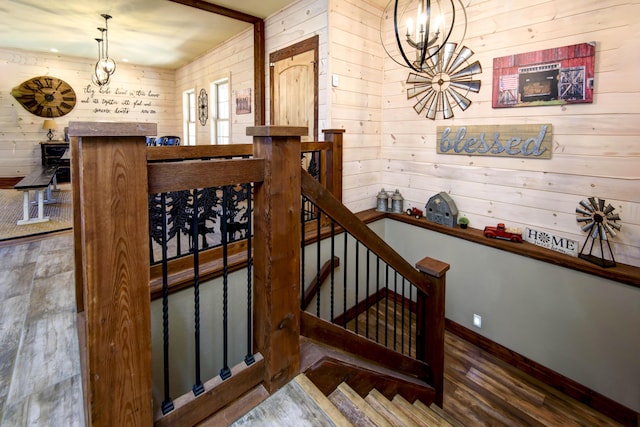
(301, 403)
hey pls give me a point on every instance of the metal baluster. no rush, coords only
(386, 305)
(333, 266)
(167, 403)
(302, 251)
(395, 309)
(198, 388)
(344, 283)
(402, 322)
(249, 359)
(357, 280)
(318, 246)
(366, 305)
(377, 298)
(411, 321)
(225, 372)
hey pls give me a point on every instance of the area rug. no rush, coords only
(60, 214)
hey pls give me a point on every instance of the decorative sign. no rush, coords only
(527, 141)
(120, 101)
(557, 76)
(549, 241)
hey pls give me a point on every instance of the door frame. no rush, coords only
(310, 44)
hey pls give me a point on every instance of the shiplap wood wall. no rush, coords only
(596, 149)
(232, 60)
(21, 131)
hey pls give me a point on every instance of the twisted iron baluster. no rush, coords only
(377, 298)
(225, 372)
(302, 251)
(395, 309)
(357, 280)
(386, 306)
(344, 283)
(366, 306)
(402, 322)
(333, 266)
(198, 388)
(167, 403)
(318, 262)
(249, 359)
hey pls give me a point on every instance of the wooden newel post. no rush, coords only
(431, 321)
(332, 163)
(110, 182)
(276, 256)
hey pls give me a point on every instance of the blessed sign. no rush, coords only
(527, 141)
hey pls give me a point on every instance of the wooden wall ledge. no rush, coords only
(622, 273)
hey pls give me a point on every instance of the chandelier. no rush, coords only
(105, 66)
(424, 36)
(421, 29)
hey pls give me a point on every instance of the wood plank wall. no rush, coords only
(596, 149)
(21, 131)
(232, 60)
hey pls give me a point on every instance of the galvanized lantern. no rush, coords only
(383, 200)
(397, 202)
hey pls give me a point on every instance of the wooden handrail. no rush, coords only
(347, 220)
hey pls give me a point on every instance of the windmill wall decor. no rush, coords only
(599, 221)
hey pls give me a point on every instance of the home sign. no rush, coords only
(525, 141)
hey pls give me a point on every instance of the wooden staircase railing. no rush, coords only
(111, 182)
(429, 278)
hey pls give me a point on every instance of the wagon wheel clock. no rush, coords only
(203, 107)
(599, 222)
(45, 96)
(445, 83)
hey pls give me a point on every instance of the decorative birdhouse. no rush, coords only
(441, 209)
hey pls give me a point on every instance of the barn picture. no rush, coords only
(557, 76)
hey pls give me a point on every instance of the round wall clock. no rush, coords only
(446, 82)
(203, 107)
(45, 96)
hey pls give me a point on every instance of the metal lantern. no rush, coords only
(383, 200)
(397, 202)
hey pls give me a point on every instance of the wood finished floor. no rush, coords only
(40, 370)
(481, 390)
(40, 382)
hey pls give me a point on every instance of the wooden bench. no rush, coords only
(41, 179)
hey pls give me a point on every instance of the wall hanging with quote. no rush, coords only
(557, 76)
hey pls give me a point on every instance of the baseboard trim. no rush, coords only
(593, 399)
(9, 182)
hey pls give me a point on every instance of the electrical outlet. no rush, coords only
(477, 320)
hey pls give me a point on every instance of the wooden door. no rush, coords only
(294, 87)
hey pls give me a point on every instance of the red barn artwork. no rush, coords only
(563, 75)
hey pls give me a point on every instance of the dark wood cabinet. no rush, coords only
(52, 152)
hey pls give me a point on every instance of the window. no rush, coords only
(189, 116)
(220, 128)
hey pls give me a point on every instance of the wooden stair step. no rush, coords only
(355, 408)
(440, 416)
(323, 401)
(389, 410)
(444, 414)
(418, 417)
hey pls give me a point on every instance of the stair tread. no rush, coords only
(355, 408)
(323, 401)
(428, 412)
(387, 409)
(416, 415)
(288, 406)
(444, 414)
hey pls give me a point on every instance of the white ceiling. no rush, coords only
(157, 33)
